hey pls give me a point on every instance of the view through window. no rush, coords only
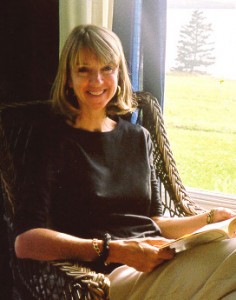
(200, 92)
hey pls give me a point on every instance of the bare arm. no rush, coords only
(45, 244)
(174, 228)
(141, 254)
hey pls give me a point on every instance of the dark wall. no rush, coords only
(29, 45)
(29, 34)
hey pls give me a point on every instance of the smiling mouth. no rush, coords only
(96, 93)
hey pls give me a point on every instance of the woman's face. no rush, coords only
(93, 82)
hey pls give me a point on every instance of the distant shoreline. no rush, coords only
(198, 4)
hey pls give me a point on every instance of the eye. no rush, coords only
(108, 69)
(82, 70)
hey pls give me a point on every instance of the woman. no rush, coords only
(99, 178)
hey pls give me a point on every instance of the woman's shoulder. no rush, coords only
(135, 128)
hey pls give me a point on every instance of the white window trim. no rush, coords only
(209, 200)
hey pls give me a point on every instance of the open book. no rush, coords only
(209, 233)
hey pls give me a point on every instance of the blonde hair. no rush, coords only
(107, 47)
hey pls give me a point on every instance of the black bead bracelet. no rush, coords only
(106, 248)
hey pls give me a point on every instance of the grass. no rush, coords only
(200, 117)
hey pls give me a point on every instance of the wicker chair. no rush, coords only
(72, 280)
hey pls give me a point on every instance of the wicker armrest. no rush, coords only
(61, 280)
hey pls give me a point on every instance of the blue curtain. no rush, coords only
(141, 26)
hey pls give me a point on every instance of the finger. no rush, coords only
(159, 241)
(166, 253)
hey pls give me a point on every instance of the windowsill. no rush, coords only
(208, 200)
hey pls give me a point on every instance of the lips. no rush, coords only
(98, 93)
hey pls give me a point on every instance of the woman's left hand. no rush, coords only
(221, 214)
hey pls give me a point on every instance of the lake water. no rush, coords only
(223, 35)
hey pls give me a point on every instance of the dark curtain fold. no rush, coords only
(141, 26)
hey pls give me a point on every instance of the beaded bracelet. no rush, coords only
(103, 255)
(210, 217)
(106, 248)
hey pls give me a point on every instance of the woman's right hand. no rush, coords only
(142, 254)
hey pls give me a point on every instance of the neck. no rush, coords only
(99, 123)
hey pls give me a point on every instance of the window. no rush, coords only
(200, 92)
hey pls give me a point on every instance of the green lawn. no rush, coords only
(200, 117)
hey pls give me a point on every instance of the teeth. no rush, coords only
(96, 93)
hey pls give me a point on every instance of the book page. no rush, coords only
(195, 239)
(229, 226)
(208, 233)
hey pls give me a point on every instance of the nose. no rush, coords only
(96, 77)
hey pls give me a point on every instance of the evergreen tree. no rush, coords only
(194, 50)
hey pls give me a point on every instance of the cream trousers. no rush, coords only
(206, 272)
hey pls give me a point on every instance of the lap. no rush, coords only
(205, 271)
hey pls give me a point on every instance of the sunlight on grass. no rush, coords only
(200, 119)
